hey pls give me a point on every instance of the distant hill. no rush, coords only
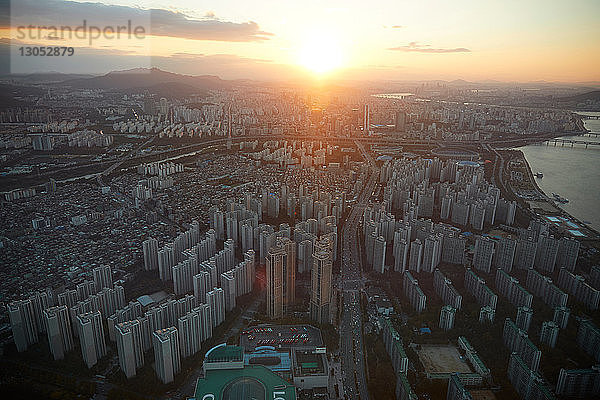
(594, 95)
(45, 77)
(153, 80)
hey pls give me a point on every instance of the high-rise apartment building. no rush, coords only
(130, 346)
(166, 353)
(102, 277)
(91, 336)
(228, 285)
(549, 333)
(415, 256)
(281, 277)
(60, 335)
(150, 250)
(379, 248)
(484, 252)
(561, 316)
(23, 323)
(447, 314)
(524, 316)
(320, 299)
(201, 282)
(414, 293)
(504, 256)
(216, 301)
(579, 383)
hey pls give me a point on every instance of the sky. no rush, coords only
(474, 40)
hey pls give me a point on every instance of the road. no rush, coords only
(351, 330)
(132, 154)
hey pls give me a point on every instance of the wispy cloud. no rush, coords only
(426, 48)
(161, 22)
(397, 26)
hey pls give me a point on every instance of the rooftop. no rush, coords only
(224, 353)
(251, 382)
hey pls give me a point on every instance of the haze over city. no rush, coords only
(260, 200)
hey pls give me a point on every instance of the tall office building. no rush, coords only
(150, 249)
(320, 299)
(91, 336)
(60, 336)
(447, 317)
(216, 301)
(23, 323)
(102, 277)
(484, 251)
(281, 278)
(130, 346)
(166, 353)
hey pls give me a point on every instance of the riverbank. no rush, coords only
(552, 209)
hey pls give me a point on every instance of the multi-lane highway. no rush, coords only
(351, 346)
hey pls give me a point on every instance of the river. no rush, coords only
(572, 172)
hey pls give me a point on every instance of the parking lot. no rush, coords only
(281, 337)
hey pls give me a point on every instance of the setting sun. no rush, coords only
(321, 53)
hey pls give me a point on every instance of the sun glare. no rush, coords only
(321, 53)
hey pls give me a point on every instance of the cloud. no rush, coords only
(159, 22)
(397, 26)
(168, 23)
(218, 58)
(426, 48)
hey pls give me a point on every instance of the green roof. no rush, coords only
(250, 382)
(224, 353)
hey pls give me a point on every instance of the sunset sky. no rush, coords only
(403, 40)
